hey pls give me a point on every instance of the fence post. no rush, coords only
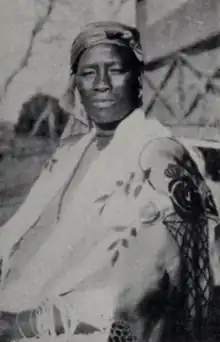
(141, 19)
(141, 24)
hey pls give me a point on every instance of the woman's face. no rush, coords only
(107, 81)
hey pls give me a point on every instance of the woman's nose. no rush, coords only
(102, 81)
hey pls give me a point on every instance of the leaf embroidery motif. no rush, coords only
(101, 209)
(113, 245)
(16, 246)
(147, 174)
(115, 257)
(137, 191)
(119, 183)
(127, 189)
(52, 163)
(125, 243)
(46, 164)
(120, 229)
(7, 274)
(102, 198)
(132, 175)
(133, 232)
(128, 184)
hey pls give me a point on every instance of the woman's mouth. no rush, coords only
(103, 103)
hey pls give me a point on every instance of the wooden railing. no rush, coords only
(182, 68)
(191, 86)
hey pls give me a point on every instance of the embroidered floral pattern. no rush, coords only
(129, 189)
(149, 214)
(50, 164)
(183, 191)
(120, 242)
(187, 221)
(126, 186)
(192, 206)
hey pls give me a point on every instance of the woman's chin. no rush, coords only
(105, 118)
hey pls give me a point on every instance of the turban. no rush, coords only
(112, 33)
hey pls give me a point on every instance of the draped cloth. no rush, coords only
(140, 209)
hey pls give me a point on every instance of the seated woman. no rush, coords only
(120, 230)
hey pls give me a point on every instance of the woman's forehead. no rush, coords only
(101, 54)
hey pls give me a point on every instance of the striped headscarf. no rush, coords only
(112, 33)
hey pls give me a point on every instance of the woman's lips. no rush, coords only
(105, 103)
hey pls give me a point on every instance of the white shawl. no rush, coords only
(104, 208)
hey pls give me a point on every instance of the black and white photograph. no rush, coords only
(110, 171)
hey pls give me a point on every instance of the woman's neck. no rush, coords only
(103, 137)
(105, 132)
(107, 127)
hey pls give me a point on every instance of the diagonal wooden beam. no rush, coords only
(141, 19)
(194, 21)
(157, 90)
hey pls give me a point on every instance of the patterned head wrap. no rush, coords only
(112, 33)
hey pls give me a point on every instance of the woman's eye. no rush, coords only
(117, 70)
(87, 73)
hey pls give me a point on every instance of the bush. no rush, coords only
(32, 111)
